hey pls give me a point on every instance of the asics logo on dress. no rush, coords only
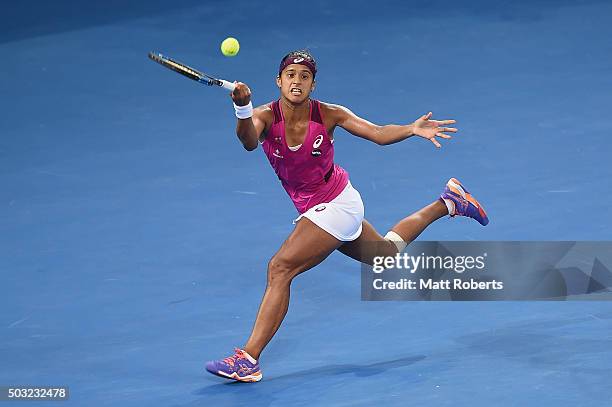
(277, 154)
(320, 209)
(316, 152)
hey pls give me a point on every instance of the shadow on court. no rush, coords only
(316, 376)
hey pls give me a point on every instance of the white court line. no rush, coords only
(18, 322)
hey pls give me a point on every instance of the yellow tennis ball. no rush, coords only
(230, 46)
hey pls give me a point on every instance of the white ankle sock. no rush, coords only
(249, 357)
(450, 205)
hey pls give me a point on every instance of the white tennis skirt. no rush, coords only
(342, 217)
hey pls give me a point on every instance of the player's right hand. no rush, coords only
(241, 95)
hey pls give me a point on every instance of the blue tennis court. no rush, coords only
(136, 230)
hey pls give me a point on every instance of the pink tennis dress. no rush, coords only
(319, 188)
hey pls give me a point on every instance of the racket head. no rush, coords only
(183, 69)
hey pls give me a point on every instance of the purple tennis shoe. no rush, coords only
(460, 202)
(240, 366)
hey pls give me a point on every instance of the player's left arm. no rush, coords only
(424, 127)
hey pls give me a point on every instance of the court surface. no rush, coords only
(136, 230)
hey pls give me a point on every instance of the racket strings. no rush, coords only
(184, 69)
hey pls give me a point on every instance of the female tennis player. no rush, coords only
(296, 134)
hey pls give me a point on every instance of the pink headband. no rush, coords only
(297, 59)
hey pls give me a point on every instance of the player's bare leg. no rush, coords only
(370, 243)
(455, 201)
(307, 246)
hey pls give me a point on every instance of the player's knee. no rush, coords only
(280, 270)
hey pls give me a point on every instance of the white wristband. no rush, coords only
(244, 112)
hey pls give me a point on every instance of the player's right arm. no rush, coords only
(251, 130)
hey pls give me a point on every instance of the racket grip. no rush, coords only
(228, 85)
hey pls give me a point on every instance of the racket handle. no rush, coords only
(228, 85)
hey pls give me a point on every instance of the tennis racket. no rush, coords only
(190, 72)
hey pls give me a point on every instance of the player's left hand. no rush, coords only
(430, 129)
